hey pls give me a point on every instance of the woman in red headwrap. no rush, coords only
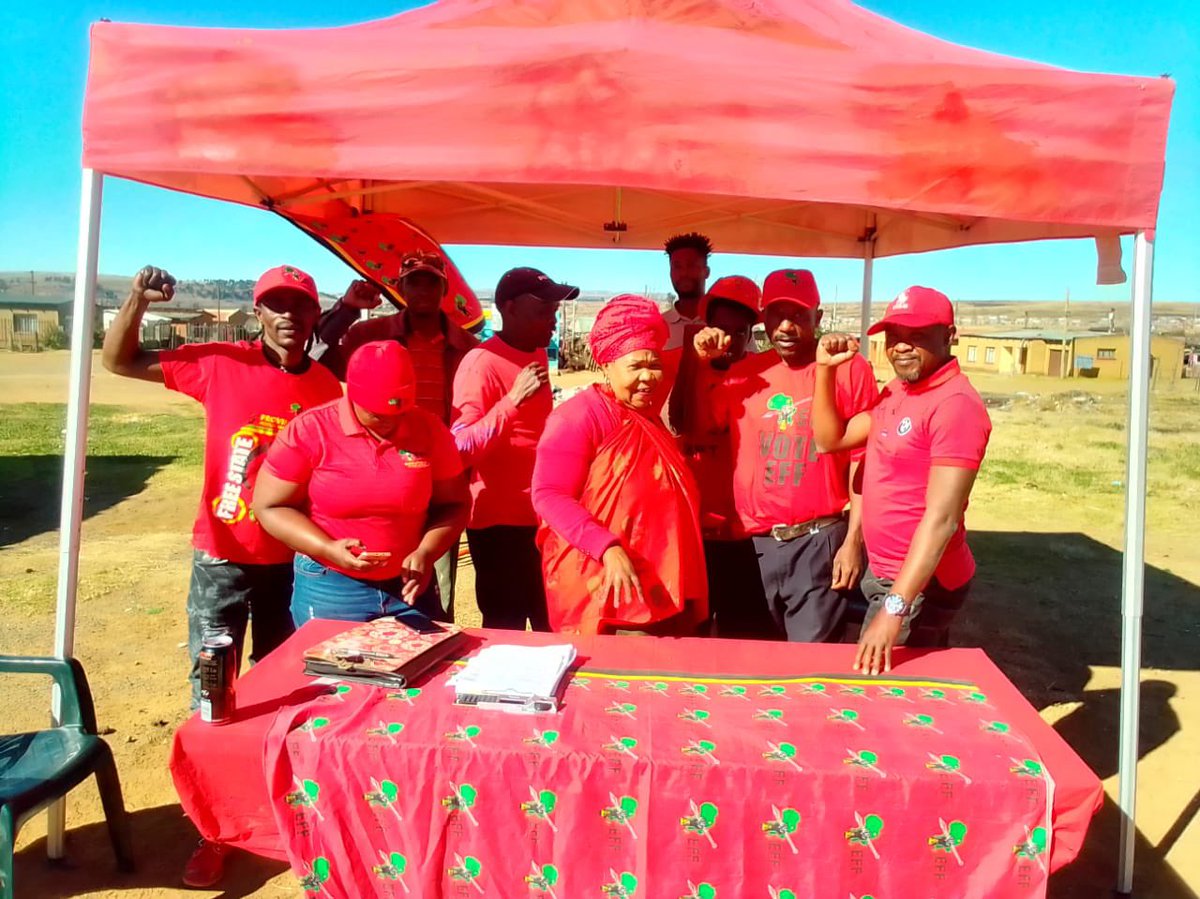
(620, 534)
(368, 490)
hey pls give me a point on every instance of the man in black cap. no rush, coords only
(502, 398)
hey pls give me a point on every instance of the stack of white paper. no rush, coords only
(514, 676)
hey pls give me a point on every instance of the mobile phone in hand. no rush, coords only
(374, 557)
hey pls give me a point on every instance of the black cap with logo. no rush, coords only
(520, 281)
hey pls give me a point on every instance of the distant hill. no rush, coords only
(1169, 318)
(112, 289)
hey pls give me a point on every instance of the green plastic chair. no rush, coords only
(39, 767)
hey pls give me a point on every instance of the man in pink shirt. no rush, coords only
(791, 501)
(502, 399)
(925, 440)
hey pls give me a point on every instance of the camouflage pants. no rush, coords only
(224, 594)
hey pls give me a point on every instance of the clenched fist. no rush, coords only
(835, 349)
(153, 285)
(361, 295)
(710, 343)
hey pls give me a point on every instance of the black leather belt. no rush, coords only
(786, 532)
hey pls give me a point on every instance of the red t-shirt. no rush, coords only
(429, 365)
(377, 491)
(779, 477)
(247, 401)
(497, 439)
(710, 457)
(938, 421)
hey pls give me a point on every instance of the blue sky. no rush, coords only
(45, 52)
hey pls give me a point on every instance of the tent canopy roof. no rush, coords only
(797, 127)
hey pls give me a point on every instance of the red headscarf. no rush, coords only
(627, 324)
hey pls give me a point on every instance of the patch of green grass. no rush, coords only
(31, 594)
(37, 429)
(1058, 479)
(1181, 462)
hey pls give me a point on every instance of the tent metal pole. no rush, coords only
(75, 452)
(1133, 578)
(868, 281)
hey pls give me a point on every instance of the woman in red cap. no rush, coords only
(368, 490)
(620, 534)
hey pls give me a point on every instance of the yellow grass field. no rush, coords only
(1045, 523)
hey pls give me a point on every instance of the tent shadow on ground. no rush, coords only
(1093, 874)
(162, 841)
(1047, 609)
(26, 483)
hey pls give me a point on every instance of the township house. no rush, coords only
(27, 322)
(1057, 354)
(168, 326)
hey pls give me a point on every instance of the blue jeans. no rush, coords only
(320, 592)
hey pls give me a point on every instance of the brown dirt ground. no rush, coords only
(1055, 634)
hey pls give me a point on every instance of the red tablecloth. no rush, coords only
(676, 768)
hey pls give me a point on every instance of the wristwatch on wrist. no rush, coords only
(895, 604)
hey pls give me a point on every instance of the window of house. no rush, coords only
(25, 323)
(971, 353)
(1106, 354)
(989, 355)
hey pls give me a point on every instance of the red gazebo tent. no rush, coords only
(792, 127)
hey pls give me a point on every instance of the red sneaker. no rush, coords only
(206, 866)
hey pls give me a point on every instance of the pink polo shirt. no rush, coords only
(938, 421)
(377, 491)
(573, 434)
(497, 438)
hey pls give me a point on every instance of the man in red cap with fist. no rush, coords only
(791, 501)
(249, 391)
(733, 305)
(924, 442)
